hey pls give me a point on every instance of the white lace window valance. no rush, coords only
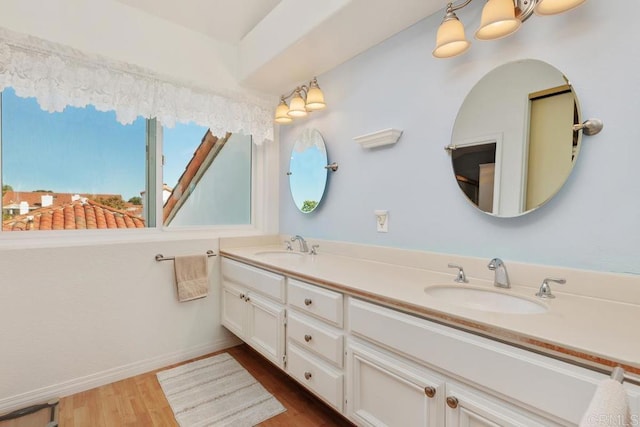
(59, 76)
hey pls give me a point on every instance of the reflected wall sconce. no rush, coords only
(304, 99)
(500, 18)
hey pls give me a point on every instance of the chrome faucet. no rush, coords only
(545, 289)
(301, 242)
(460, 277)
(501, 279)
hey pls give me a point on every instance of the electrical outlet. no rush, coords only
(382, 220)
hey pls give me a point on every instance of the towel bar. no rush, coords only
(160, 257)
(618, 374)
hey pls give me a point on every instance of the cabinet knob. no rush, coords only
(307, 338)
(307, 375)
(241, 296)
(247, 299)
(452, 402)
(430, 391)
(307, 301)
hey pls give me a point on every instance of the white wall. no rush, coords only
(592, 222)
(73, 318)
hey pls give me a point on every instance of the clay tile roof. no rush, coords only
(34, 198)
(73, 216)
(201, 160)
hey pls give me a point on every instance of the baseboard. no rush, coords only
(88, 382)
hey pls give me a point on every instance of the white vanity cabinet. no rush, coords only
(383, 367)
(253, 308)
(315, 340)
(383, 389)
(486, 383)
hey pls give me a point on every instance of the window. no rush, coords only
(78, 169)
(81, 169)
(207, 178)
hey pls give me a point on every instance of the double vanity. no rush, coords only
(388, 337)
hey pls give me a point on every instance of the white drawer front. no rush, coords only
(316, 337)
(262, 281)
(321, 378)
(316, 301)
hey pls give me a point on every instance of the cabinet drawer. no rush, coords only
(314, 300)
(261, 281)
(317, 376)
(316, 337)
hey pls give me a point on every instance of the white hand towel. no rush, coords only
(192, 277)
(608, 407)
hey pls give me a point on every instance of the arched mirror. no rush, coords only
(513, 143)
(307, 170)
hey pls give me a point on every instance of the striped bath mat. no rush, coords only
(217, 391)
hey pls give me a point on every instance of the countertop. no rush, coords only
(599, 334)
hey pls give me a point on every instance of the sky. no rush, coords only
(82, 150)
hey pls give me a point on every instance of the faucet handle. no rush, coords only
(495, 263)
(460, 277)
(314, 250)
(545, 288)
(288, 245)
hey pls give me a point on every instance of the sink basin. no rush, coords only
(279, 255)
(485, 299)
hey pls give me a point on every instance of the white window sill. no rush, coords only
(69, 238)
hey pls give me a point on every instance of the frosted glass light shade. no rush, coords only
(552, 7)
(498, 20)
(297, 107)
(315, 99)
(450, 40)
(282, 115)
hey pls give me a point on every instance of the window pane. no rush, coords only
(207, 178)
(78, 169)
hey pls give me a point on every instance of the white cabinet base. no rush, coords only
(383, 390)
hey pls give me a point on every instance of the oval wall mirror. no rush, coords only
(307, 170)
(513, 143)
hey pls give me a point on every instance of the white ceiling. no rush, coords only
(282, 43)
(224, 20)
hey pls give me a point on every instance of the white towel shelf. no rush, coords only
(379, 138)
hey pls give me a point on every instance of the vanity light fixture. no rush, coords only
(304, 99)
(500, 18)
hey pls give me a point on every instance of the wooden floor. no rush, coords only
(139, 401)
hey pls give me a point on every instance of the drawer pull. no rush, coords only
(247, 299)
(452, 402)
(307, 301)
(430, 391)
(307, 375)
(241, 296)
(307, 338)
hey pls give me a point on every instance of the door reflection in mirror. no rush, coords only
(475, 173)
(307, 172)
(528, 108)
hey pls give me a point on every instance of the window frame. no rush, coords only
(264, 205)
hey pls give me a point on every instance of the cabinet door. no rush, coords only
(386, 390)
(467, 407)
(265, 328)
(234, 309)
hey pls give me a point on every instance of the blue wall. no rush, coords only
(592, 223)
